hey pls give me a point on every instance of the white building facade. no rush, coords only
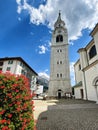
(86, 70)
(59, 83)
(16, 65)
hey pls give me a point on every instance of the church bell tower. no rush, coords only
(59, 83)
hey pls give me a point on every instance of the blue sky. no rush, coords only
(26, 27)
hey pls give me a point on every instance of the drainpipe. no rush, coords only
(85, 84)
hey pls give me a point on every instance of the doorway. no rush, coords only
(82, 95)
(59, 94)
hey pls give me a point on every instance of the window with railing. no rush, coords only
(10, 62)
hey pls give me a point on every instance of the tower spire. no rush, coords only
(59, 17)
(59, 22)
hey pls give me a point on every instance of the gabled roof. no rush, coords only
(19, 59)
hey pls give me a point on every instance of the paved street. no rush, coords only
(66, 114)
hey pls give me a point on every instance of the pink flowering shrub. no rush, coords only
(15, 103)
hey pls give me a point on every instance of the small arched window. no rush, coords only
(59, 38)
(57, 75)
(57, 62)
(60, 75)
(92, 52)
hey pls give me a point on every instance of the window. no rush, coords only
(8, 68)
(79, 67)
(1, 63)
(57, 62)
(57, 75)
(60, 62)
(92, 52)
(10, 62)
(59, 38)
(60, 75)
(59, 50)
(23, 72)
(20, 63)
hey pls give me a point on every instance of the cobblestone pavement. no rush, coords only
(66, 114)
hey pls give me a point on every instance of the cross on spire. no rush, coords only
(59, 12)
(59, 17)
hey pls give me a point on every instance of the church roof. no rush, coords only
(78, 84)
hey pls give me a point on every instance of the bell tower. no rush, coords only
(59, 83)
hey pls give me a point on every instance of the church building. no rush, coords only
(86, 70)
(59, 83)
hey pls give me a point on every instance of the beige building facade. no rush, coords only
(59, 83)
(16, 65)
(86, 70)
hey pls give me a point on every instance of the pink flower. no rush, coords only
(2, 86)
(10, 115)
(2, 112)
(3, 121)
(5, 128)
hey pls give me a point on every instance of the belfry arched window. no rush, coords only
(59, 38)
(92, 52)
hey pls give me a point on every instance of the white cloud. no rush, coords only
(19, 9)
(72, 73)
(78, 15)
(70, 42)
(18, 1)
(43, 49)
